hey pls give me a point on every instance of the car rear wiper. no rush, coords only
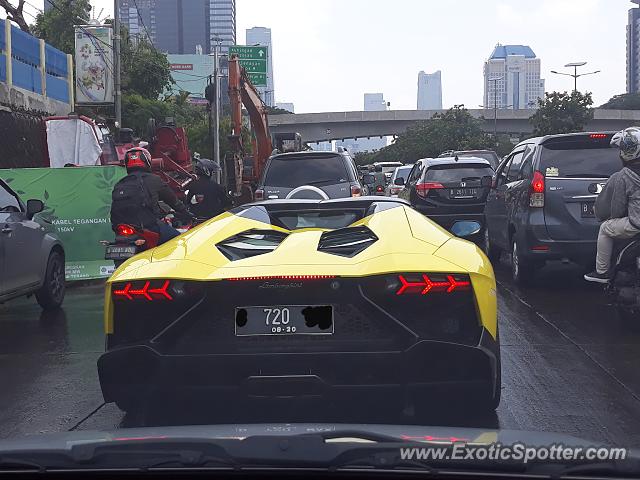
(584, 175)
(316, 182)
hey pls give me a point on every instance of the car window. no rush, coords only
(402, 172)
(416, 173)
(526, 169)
(292, 172)
(502, 172)
(456, 173)
(579, 157)
(8, 201)
(513, 173)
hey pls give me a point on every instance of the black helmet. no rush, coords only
(205, 167)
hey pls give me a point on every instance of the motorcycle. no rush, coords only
(131, 240)
(624, 287)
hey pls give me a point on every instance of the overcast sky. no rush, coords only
(328, 53)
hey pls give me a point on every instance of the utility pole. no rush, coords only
(216, 101)
(116, 64)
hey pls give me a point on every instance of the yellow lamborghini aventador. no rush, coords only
(305, 297)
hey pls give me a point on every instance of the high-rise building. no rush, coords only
(136, 16)
(288, 106)
(512, 78)
(221, 19)
(633, 50)
(182, 26)
(262, 36)
(430, 91)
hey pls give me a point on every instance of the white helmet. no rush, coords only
(628, 141)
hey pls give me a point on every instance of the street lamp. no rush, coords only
(216, 105)
(575, 73)
(495, 81)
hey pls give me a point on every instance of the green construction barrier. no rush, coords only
(77, 201)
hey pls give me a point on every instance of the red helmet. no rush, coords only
(137, 157)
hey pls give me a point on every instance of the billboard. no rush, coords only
(78, 204)
(94, 64)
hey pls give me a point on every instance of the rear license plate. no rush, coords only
(119, 252)
(463, 192)
(284, 320)
(586, 209)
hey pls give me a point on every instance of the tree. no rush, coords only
(145, 70)
(16, 14)
(55, 26)
(562, 113)
(625, 101)
(454, 129)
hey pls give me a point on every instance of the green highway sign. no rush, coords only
(258, 79)
(254, 60)
(249, 53)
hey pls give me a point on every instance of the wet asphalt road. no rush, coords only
(568, 365)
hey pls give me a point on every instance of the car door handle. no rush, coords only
(7, 230)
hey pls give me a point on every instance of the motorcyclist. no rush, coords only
(618, 204)
(206, 198)
(135, 197)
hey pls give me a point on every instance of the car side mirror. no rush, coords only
(486, 181)
(368, 179)
(34, 206)
(399, 181)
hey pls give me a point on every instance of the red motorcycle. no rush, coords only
(129, 241)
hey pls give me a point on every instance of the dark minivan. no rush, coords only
(541, 203)
(449, 189)
(309, 175)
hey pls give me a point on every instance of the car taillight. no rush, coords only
(258, 194)
(422, 189)
(355, 191)
(536, 194)
(123, 230)
(432, 283)
(148, 289)
(379, 188)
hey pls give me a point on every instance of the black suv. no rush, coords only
(541, 202)
(310, 175)
(448, 189)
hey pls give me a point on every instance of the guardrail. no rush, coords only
(28, 63)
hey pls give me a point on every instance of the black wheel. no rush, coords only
(522, 270)
(491, 251)
(51, 294)
(131, 404)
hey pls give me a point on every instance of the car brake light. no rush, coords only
(150, 294)
(259, 194)
(598, 135)
(282, 277)
(422, 189)
(426, 284)
(123, 230)
(536, 195)
(379, 188)
(355, 191)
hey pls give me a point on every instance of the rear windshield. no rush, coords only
(456, 173)
(492, 158)
(294, 172)
(581, 158)
(403, 172)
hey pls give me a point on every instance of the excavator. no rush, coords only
(243, 171)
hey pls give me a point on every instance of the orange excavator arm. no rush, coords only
(242, 91)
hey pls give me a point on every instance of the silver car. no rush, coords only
(31, 255)
(402, 172)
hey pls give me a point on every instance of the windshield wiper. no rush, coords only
(316, 182)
